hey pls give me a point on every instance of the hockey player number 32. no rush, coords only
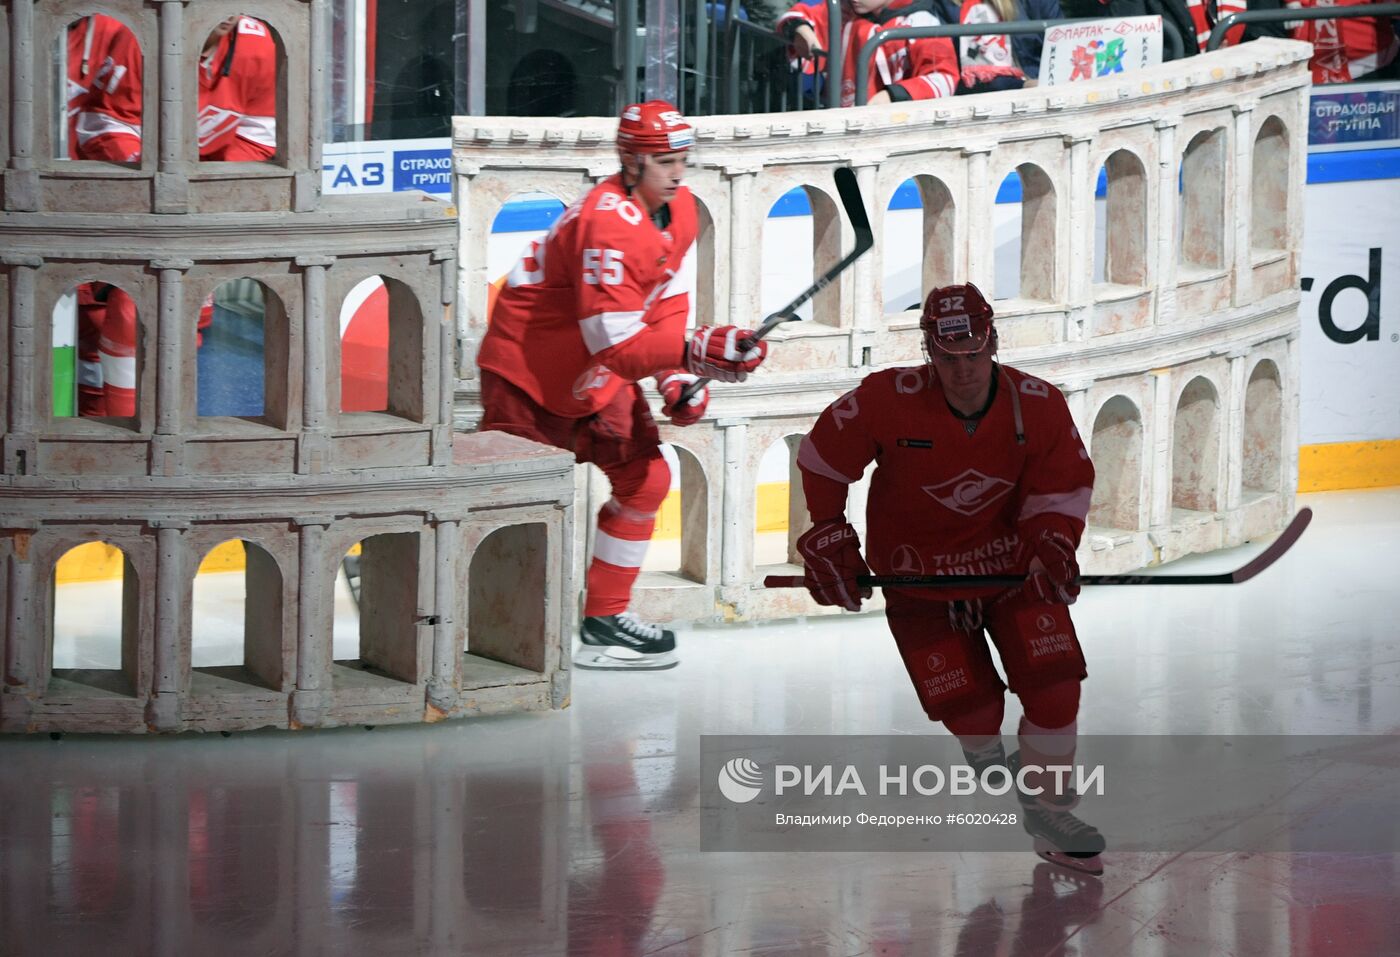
(602, 267)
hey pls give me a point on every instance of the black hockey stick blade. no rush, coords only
(848, 187)
(849, 190)
(1244, 573)
(1276, 548)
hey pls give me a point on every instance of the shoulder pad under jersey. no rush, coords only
(1028, 385)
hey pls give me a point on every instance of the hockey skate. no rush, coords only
(1063, 839)
(992, 756)
(1059, 836)
(624, 642)
(1066, 801)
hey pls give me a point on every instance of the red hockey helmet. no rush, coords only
(957, 320)
(654, 127)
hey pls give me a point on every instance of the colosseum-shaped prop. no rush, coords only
(1176, 344)
(1178, 352)
(462, 541)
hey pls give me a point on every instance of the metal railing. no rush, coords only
(723, 64)
(1171, 36)
(1217, 35)
(759, 77)
(834, 53)
(627, 37)
(702, 49)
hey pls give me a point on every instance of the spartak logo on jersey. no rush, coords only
(594, 377)
(970, 492)
(214, 122)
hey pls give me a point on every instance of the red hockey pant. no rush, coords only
(953, 673)
(622, 440)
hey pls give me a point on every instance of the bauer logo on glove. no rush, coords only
(831, 551)
(835, 537)
(726, 353)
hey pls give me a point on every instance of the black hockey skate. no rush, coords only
(992, 756)
(1067, 801)
(1060, 837)
(1063, 839)
(625, 643)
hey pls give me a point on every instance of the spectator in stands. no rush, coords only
(1349, 49)
(917, 69)
(765, 13)
(998, 61)
(1253, 31)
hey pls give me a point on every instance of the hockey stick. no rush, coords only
(1244, 573)
(854, 206)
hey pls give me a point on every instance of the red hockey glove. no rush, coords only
(671, 385)
(831, 550)
(714, 352)
(1051, 568)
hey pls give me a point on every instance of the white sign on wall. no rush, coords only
(387, 166)
(1350, 313)
(1093, 48)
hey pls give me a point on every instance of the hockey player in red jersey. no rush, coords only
(590, 310)
(104, 72)
(237, 121)
(238, 92)
(922, 68)
(104, 90)
(979, 471)
(107, 335)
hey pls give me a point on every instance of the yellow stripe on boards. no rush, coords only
(98, 561)
(668, 518)
(771, 506)
(1339, 465)
(1321, 468)
(90, 562)
(227, 556)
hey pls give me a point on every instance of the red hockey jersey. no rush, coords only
(600, 301)
(107, 335)
(918, 69)
(238, 95)
(1205, 14)
(1346, 50)
(943, 501)
(104, 90)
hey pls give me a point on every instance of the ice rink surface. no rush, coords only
(577, 832)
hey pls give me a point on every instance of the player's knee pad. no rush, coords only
(1037, 643)
(951, 670)
(641, 485)
(978, 717)
(1054, 705)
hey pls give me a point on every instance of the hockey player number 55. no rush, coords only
(602, 267)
